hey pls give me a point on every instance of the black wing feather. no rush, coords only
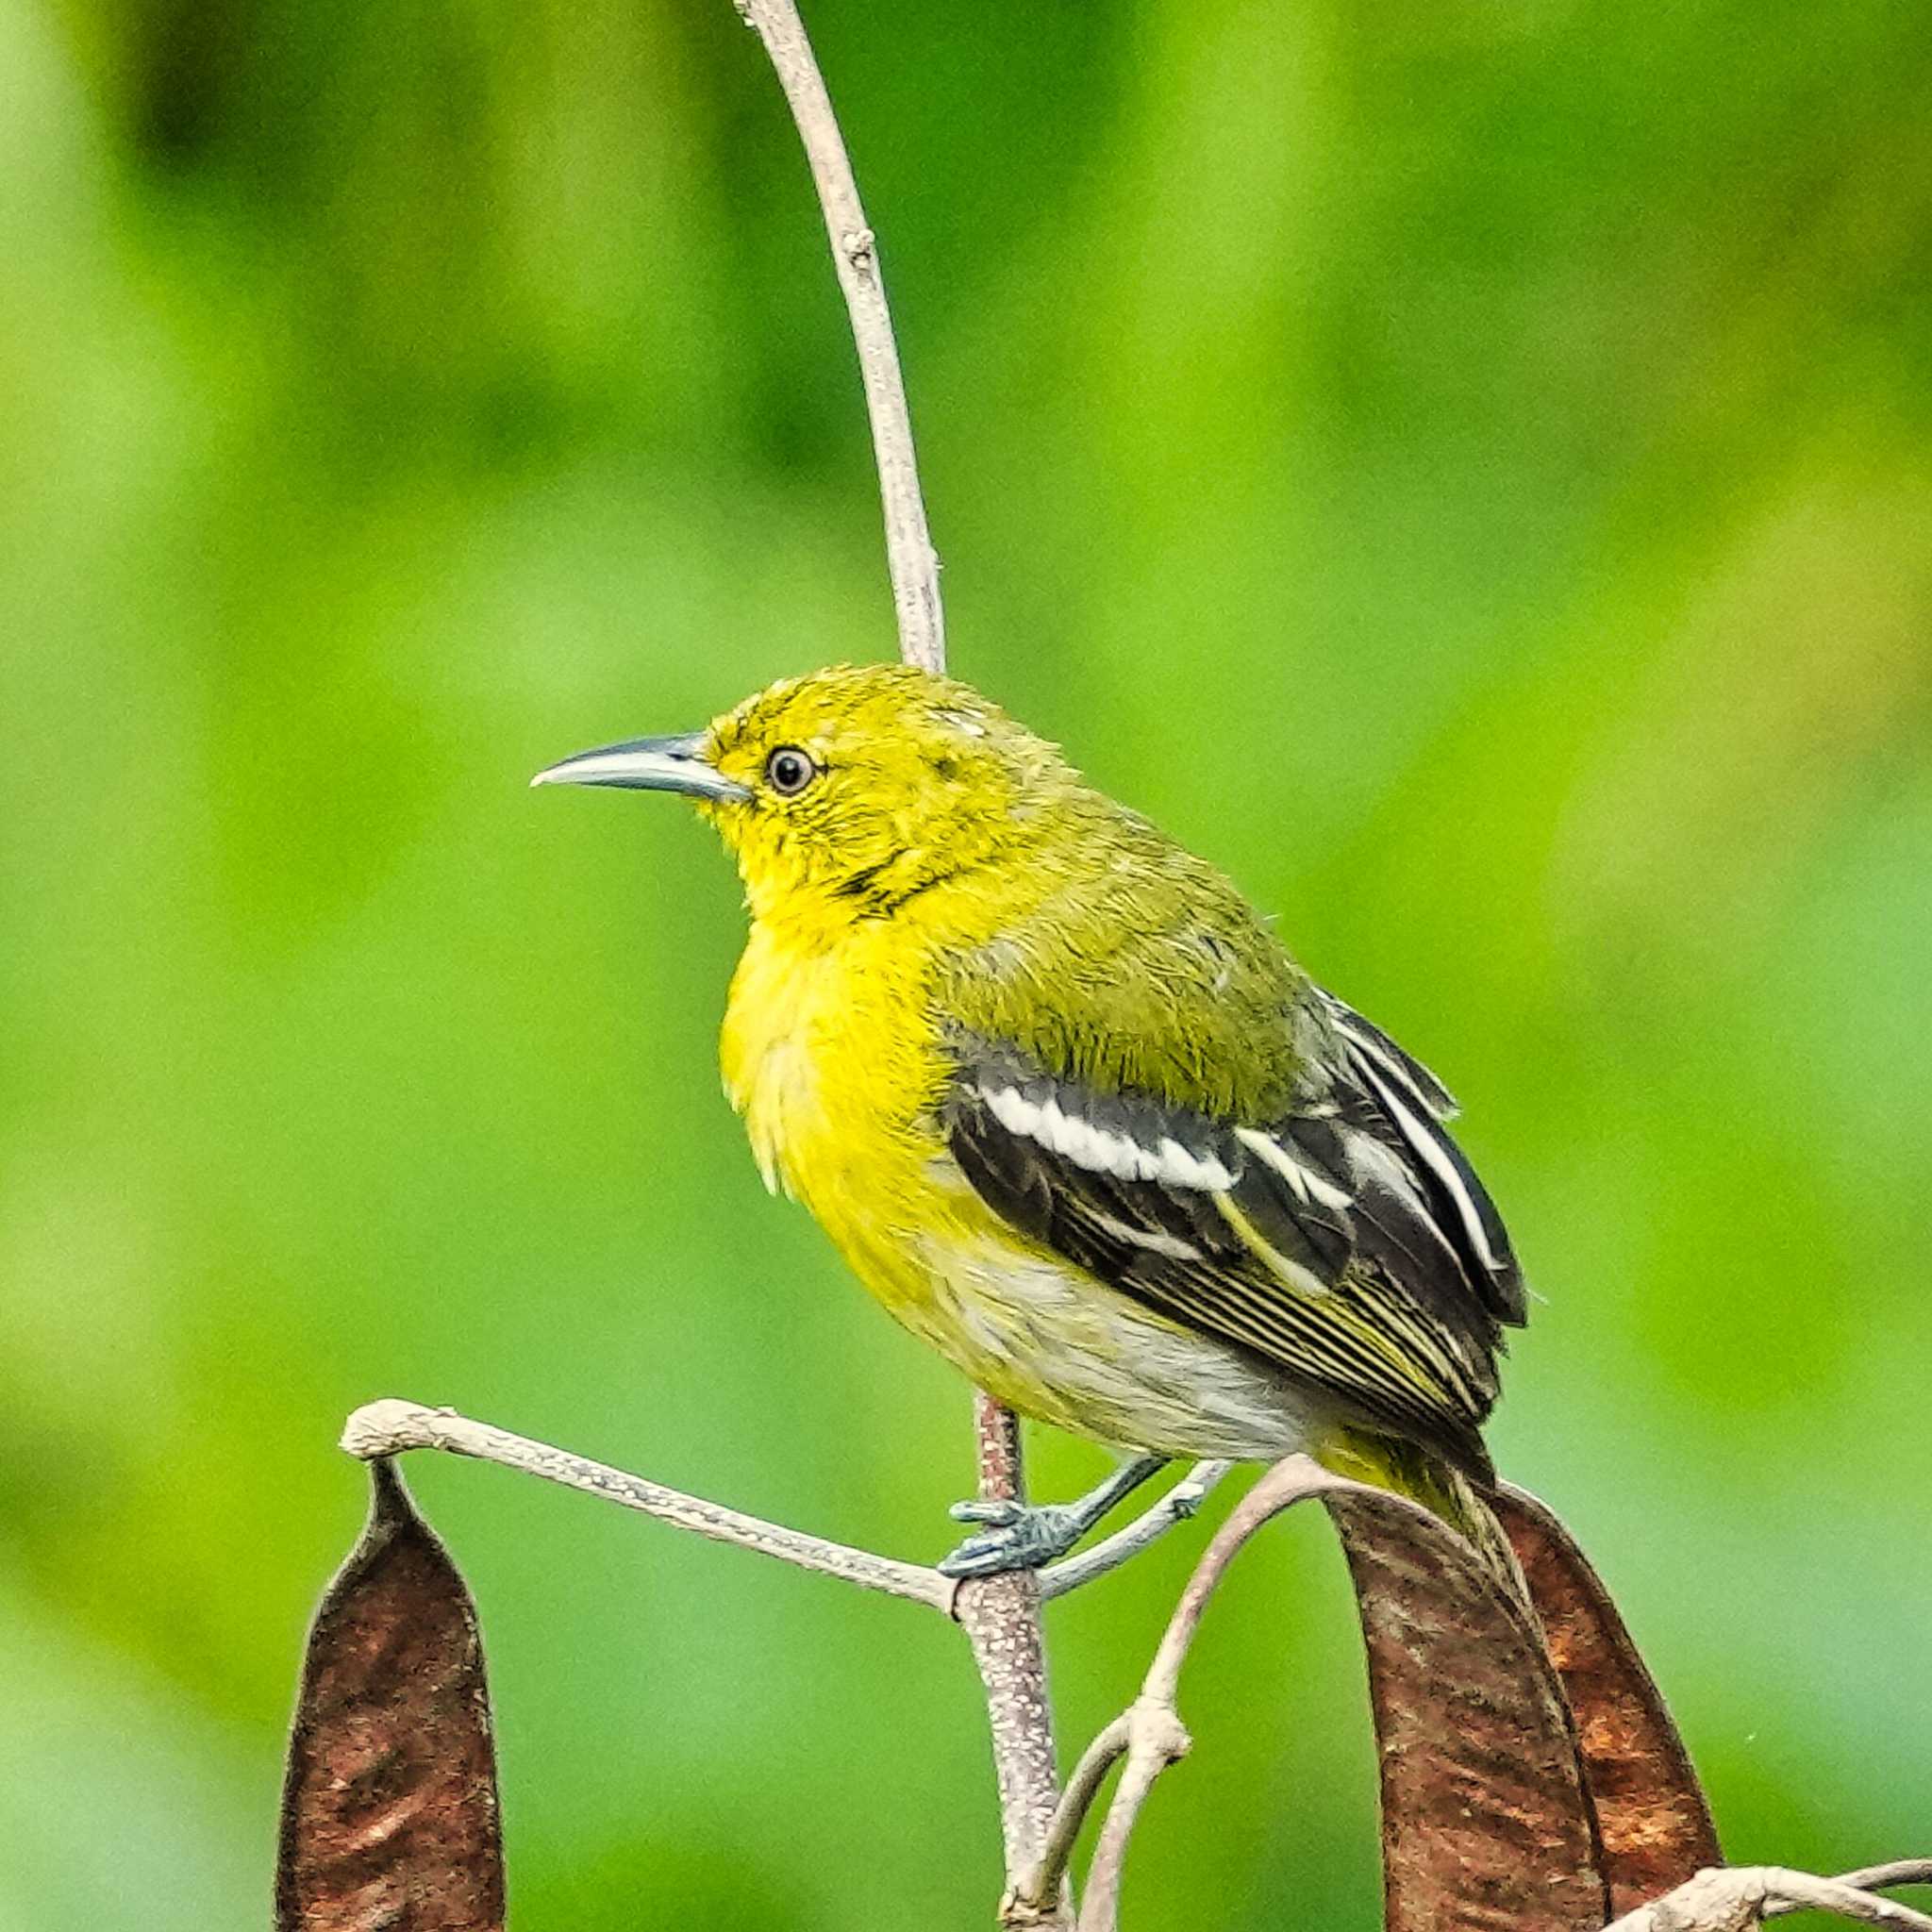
(1322, 1242)
(1408, 1099)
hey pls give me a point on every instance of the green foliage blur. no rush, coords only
(1466, 466)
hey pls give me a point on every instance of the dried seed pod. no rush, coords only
(1486, 1822)
(1652, 1814)
(389, 1813)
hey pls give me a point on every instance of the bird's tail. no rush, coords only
(1409, 1469)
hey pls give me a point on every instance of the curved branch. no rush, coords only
(1157, 1737)
(1150, 1736)
(1148, 1527)
(390, 1427)
(909, 556)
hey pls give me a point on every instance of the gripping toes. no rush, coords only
(1017, 1537)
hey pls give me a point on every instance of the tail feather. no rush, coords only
(1406, 1469)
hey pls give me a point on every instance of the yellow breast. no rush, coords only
(827, 1052)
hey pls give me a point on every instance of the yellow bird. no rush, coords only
(1072, 1113)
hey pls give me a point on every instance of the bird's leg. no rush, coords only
(1025, 1536)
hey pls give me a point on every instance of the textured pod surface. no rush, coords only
(1486, 1825)
(1652, 1814)
(389, 1818)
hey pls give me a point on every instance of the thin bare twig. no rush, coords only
(909, 554)
(1148, 1527)
(1156, 1738)
(999, 1614)
(1884, 1877)
(390, 1427)
(1732, 1900)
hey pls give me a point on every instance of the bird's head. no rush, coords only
(855, 787)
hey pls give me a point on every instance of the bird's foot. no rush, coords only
(1028, 1536)
(1015, 1536)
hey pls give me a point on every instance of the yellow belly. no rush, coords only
(825, 1054)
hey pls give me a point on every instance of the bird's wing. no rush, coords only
(1348, 1242)
(1407, 1096)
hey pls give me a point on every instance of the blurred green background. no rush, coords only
(1466, 466)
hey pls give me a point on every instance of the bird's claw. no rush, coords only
(1002, 1513)
(1018, 1536)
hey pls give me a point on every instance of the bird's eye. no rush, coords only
(789, 771)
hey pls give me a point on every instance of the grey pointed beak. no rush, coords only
(649, 764)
